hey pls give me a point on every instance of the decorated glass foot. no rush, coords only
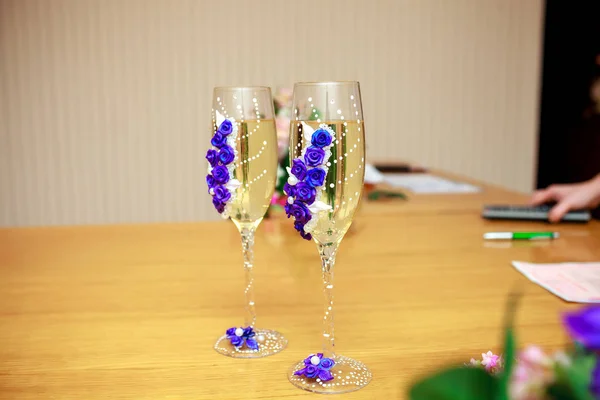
(250, 343)
(320, 374)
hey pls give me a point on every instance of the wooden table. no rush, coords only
(132, 312)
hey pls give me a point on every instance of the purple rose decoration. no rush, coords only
(218, 140)
(317, 367)
(300, 212)
(288, 210)
(306, 236)
(221, 174)
(220, 207)
(240, 336)
(290, 190)
(321, 138)
(298, 169)
(584, 327)
(305, 193)
(226, 155)
(299, 226)
(210, 181)
(311, 371)
(326, 363)
(222, 193)
(211, 157)
(225, 128)
(314, 156)
(315, 177)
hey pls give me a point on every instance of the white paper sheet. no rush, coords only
(574, 282)
(426, 183)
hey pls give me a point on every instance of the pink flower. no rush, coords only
(491, 361)
(533, 373)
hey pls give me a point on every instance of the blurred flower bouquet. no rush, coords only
(282, 103)
(531, 375)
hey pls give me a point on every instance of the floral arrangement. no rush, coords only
(238, 337)
(530, 375)
(221, 185)
(306, 179)
(317, 366)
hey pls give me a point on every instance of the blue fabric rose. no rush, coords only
(211, 157)
(584, 327)
(300, 212)
(226, 127)
(222, 193)
(299, 226)
(240, 336)
(314, 156)
(298, 169)
(218, 140)
(305, 193)
(210, 181)
(315, 366)
(226, 155)
(290, 190)
(306, 236)
(315, 177)
(220, 207)
(221, 174)
(321, 138)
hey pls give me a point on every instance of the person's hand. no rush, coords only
(569, 197)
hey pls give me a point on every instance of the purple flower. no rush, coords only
(222, 193)
(240, 336)
(321, 138)
(314, 156)
(211, 157)
(584, 327)
(326, 363)
(226, 127)
(315, 177)
(290, 190)
(299, 226)
(298, 169)
(325, 375)
(218, 140)
(218, 205)
(311, 371)
(300, 212)
(305, 193)
(210, 181)
(306, 236)
(288, 210)
(221, 174)
(226, 155)
(315, 366)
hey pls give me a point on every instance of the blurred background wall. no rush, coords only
(105, 104)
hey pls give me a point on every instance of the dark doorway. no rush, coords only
(569, 133)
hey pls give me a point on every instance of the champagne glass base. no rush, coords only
(269, 343)
(348, 375)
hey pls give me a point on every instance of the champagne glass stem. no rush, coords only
(247, 233)
(327, 253)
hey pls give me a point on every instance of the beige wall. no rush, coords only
(104, 104)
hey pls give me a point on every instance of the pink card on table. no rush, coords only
(574, 282)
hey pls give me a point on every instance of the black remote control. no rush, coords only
(531, 213)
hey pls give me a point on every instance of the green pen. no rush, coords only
(520, 235)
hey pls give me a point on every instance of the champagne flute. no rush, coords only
(327, 133)
(242, 172)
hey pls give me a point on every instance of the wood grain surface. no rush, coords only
(132, 312)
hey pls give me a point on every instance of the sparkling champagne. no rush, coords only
(344, 183)
(256, 168)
